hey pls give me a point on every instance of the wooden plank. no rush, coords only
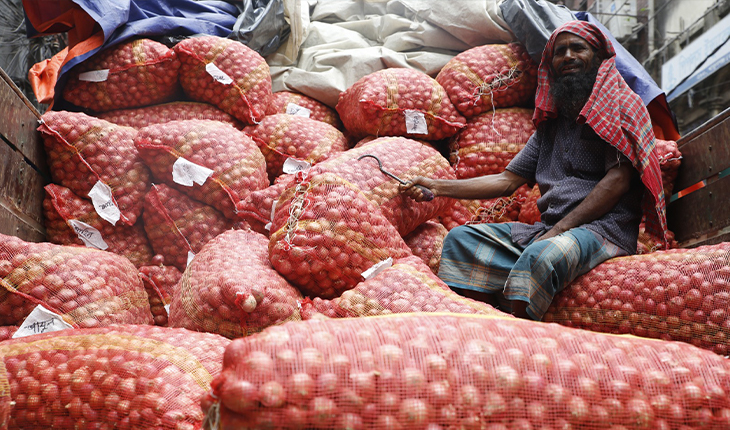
(19, 121)
(705, 151)
(701, 216)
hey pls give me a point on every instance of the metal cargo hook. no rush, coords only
(427, 194)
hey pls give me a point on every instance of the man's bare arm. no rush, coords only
(483, 187)
(599, 201)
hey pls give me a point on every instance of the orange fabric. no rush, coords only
(43, 76)
(661, 120)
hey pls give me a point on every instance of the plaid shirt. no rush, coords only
(615, 113)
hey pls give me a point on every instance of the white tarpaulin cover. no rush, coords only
(333, 43)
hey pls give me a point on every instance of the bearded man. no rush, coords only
(594, 161)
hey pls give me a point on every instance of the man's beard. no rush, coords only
(571, 92)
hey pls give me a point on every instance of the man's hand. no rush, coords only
(555, 231)
(413, 188)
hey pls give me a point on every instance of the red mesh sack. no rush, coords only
(122, 377)
(404, 158)
(225, 73)
(490, 76)
(423, 371)
(398, 102)
(490, 141)
(132, 74)
(285, 136)
(298, 104)
(86, 287)
(649, 242)
(426, 242)
(529, 213)
(71, 220)
(669, 161)
(159, 282)
(326, 233)
(166, 112)
(501, 209)
(210, 161)
(96, 159)
(257, 209)
(679, 294)
(6, 332)
(407, 286)
(231, 289)
(178, 225)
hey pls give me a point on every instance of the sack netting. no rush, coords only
(486, 77)
(398, 102)
(426, 242)
(500, 209)
(293, 103)
(529, 213)
(132, 74)
(257, 209)
(90, 155)
(226, 73)
(490, 141)
(178, 226)
(402, 157)
(678, 294)
(159, 281)
(670, 158)
(166, 112)
(122, 377)
(86, 287)
(326, 233)
(210, 161)
(407, 286)
(283, 136)
(422, 371)
(231, 289)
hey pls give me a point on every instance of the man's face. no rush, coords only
(571, 55)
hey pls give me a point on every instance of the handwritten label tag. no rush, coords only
(377, 268)
(415, 122)
(41, 320)
(94, 76)
(186, 173)
(292, 165)
(101, 197)
(296, 110)
(218, 74)
(88, 234)
(167, 309)
(191, 255)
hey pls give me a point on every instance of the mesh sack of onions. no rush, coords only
(490, 76)
(283, 136)
(293, 103)
(98, 160)
(407, 286)
(257, 209)
(426, 242)
(132, 74)
(529, 213)
(178, 226)
(679, 294)
(500, 209)
(398, 102)
(649, 242)
(159, 282)
(6, 332)
(670, 158)
(490, 141)
(326, 235)
(122, 377)
(71, 220)
(225, 73)
(86, 287)
(404, 158)
(231, 289)
(423, 371)
(210, 161)
(166, 112)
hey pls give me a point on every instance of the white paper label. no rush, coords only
(218, 74)
(295, 109)
(94, 76)
(88, 234)
(41, 320)
(101, 197)
(377, 268)
(292, 165)
(191, 255)
(186, 173)
(416, 122)
(167, 309)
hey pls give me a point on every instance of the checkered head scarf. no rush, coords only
(615, 113)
